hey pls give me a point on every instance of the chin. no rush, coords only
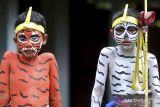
(127, 47)
(29, 55)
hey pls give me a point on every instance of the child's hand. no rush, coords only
(111, 103)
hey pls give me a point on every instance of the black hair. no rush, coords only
(36, 17)
(130, 12)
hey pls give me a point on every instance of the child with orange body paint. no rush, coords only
(28, 79)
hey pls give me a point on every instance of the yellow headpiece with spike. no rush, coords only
(29, 25)
(125, 18)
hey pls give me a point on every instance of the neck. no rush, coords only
(28, 59)
(127, 52)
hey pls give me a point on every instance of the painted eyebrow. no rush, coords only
(34, 32)
(121, 24)
(129, 23)
(20, 34)
(126, 24)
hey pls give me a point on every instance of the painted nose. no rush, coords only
(28, 44)
(126, 36)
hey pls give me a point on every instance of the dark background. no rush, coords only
(89, 25)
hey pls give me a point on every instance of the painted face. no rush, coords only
(29, 42)
(126, 34)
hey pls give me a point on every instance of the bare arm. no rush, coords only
(55, 97)
(100, 79)
(4, 81)
(154, 82)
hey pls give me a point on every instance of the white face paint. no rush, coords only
(29, 52)
(126, 34)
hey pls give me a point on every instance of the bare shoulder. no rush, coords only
(9, 54)
(152, 60)
(48, 55)
(108, 50)
(151, 56)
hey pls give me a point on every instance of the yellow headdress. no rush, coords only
(125, 18)
(27, 24)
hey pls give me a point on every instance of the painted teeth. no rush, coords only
(26, 49)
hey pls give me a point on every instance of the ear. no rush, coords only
(112, 33)
(15, 40)
(45, 37)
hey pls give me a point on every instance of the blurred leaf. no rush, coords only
(104, 5)
(157, 23)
